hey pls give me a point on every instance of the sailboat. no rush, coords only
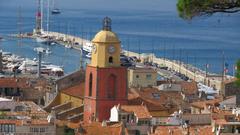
(55, 10)
(44, 38)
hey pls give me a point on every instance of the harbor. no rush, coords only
(214, 80)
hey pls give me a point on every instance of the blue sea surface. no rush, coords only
(204, 40)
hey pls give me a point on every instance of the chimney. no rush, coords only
(1, 65)
(238, 100)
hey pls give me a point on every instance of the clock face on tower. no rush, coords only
(111, 49)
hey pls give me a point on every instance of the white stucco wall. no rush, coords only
(114, 114)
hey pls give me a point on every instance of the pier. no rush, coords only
(210, 79)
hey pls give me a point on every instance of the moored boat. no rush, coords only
(87, 47)
(56, 11)
(89, 55)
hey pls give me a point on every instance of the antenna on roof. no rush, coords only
(107, 22)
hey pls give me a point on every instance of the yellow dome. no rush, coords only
(105, 37)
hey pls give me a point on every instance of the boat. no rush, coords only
(68, 46)
(89, 55)
(6, 53)
(14, 58)
(40, 40)
(87, 47)
(43, 50)
(52, 70)
(29, 66)
(53, 43)
(48, 51)
(45, 40)
(56, 11)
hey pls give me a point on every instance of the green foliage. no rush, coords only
(187, 9)
(238, 73)
(68, 131)
(2, 115)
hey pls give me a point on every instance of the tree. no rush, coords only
(189, 8)
(238, 73)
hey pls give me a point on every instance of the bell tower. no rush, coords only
(106, 47)
(106, 80)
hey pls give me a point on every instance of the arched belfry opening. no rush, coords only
(110, 60)
(111, 91)
(90, 84)
(107, 22)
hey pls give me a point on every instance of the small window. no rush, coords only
(156, 95)
(137, 76)
(148, 76)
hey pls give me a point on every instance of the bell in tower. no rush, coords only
(107, 22)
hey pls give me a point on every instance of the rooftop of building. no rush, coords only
(14, 82)
(75, 91)
(21, 110)
(106, 37)
(140, 111)
(94, 128)
(202, 104)
(155, 100)
(178, 130)
(189, 88)
(142, 70)
(197, 119)
(22, 82)
(22, 113)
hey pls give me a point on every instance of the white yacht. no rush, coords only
(68, 46)
(48, 51)
(89, 55)
(87, 47)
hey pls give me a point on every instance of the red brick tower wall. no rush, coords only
(109, 88)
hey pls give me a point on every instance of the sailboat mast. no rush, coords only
(38, 19)
(48, 11)
(41, 9)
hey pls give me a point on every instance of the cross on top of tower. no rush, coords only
(107, 22)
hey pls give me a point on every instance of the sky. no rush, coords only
(155, 5)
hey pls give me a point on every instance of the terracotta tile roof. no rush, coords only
(139, 110)
(220, 122)
(178, 130)
(94, 128)
(230, 80)
(24, 122)
(8, 121)
(197, 119)
(202, 104)
(75, 91)
(39, 122)
(14, 82)
(143, 70)
(29, 109)
(154, 99)
(189, 88)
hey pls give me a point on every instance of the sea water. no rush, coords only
(213, 40)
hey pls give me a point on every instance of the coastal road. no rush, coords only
(168, 74)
